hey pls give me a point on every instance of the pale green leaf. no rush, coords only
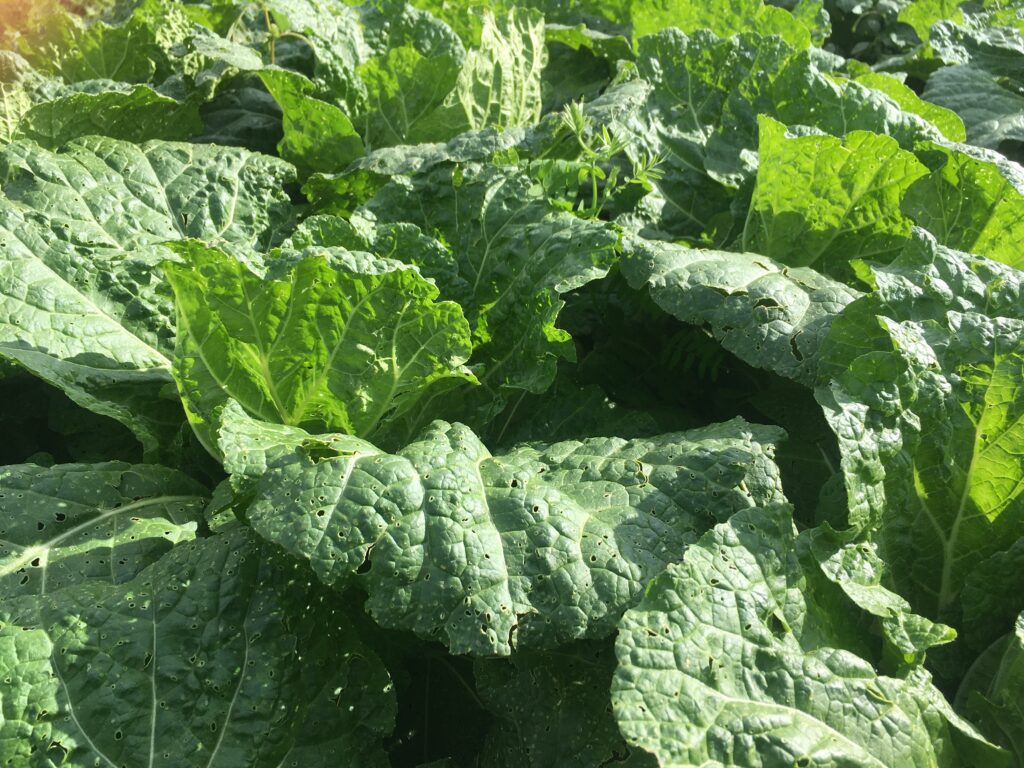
(821, 201)
(137, 116)
(968, 204)
(499, 84)
(317, 136)
(331, 340)
(768, 315)
(921, 385)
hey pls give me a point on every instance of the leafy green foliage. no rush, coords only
(294, 348)
(683, 666)
(597, 515)
(529, 383)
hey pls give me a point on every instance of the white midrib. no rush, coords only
(152, 687)
(231, 706)
(44, 553)
(946, 592)
(42, 550)
(74, 719)
(797, 714)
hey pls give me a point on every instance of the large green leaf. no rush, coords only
(18, 81)
(722, 18)
(343, 193)
(923, 14)
(766, 314)
(128, 53)
(821, 201)
(992, 40)
(968, 204)
(730, 659)
(858, 570)
(218, 654)
(921, 383)
(317, 135)
(533, 547)
(991, 111)
(499, 84)
(330, 340)
(80, 301)
(334, 33)
(510, 255)
(404, 90)
(700, 116)
(674, 111)
(73, 523)
(946, 119)
(135, 115)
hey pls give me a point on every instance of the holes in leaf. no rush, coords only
(364, 567)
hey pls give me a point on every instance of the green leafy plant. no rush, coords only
(540, 384)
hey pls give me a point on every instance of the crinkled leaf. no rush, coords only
(80, 305)
(136, 116)
(699, 115)
(14, 102)
(821, 201)
(983, 42)
(128, 53)
(991, 112)
(20, 87)
(968, 204)
(334, 33)
(858, 570)
(317, 136)
(948, 120)
(923, 14)
(729, 660)
(329, 341)
(404, 89)
(343, 193)
(499, 84)
(534, 547)
(724, 18)
(510, 255)
(768, 315)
